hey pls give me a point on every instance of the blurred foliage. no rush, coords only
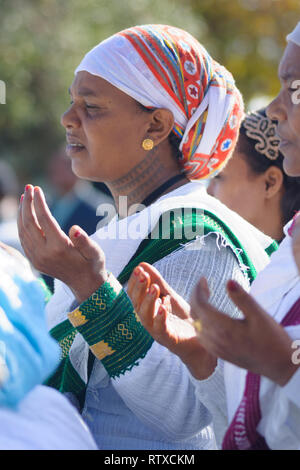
(42, 42)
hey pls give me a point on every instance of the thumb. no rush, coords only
(179, 306)
(156, 278)
(244, 301)
(86, 247)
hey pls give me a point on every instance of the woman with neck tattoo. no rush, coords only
(259, 353)
(150, 113)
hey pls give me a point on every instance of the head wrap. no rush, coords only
(294, 36)
(258, 127)
(165, 67)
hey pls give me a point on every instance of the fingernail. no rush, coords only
(160, 310)
(201, 293)
(21, 198)
(27, 187)
(77, 234)
(136, 272)
(232, 286)
(152, 290)
(36, 188)
(142, 278)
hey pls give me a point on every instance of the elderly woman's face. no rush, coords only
(286, 109)
(104, 129)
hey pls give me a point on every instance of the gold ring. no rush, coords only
(198, 326)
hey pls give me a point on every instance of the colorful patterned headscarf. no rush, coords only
(165, 67)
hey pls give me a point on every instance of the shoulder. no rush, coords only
(183, 268)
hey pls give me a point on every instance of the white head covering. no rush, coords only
(294, 36)
(163, 66)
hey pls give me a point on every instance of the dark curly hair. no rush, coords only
(259, 163)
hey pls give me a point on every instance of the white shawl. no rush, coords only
(276, 288)
(120, 239)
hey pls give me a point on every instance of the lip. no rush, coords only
(283, 143)
(72, 149)
(73, 145)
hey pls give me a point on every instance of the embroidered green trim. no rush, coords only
(111, 328)
(107, 320)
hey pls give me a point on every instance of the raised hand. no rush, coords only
(166, 316)
(257, 342)
(75, 260)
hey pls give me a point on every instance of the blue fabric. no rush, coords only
(27, 351)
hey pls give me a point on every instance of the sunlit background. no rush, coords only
(42, 41)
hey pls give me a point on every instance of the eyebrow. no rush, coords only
(84, 92)
(288, 76)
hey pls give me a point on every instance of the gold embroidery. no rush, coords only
(124, 331)
(101, 350)
(136, 316)
(77, 318)
(66, 344)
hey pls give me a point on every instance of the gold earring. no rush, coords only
(148, 144)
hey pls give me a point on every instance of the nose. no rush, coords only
(70, 119)
(276, 110)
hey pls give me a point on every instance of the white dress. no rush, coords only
(276, 288)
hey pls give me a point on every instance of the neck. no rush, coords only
(132, 188)
(272, 223)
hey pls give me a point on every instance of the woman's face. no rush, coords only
(285, 108)
(104, 129)
(239, 188)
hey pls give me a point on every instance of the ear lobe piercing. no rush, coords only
(148, 144)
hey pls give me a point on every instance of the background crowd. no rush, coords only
(115, 383)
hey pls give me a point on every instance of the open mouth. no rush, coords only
(74, 148)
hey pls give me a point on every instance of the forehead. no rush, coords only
(289, 66)
(87, 85)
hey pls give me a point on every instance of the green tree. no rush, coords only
(42, 42)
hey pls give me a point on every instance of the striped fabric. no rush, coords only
(165, 67)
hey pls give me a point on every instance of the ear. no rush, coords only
(273, 178)
(160, 125)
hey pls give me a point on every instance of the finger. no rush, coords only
(19, 218)
(244, 301)
(140, 288)
(29, 220)
(160, 320)
(203, 290)
(199, 299)
(166, 302)
(156, 278)
(148, 307)
(132, 281)
(179, 306)
(210, 318)
(86, 247)
(47, 222)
